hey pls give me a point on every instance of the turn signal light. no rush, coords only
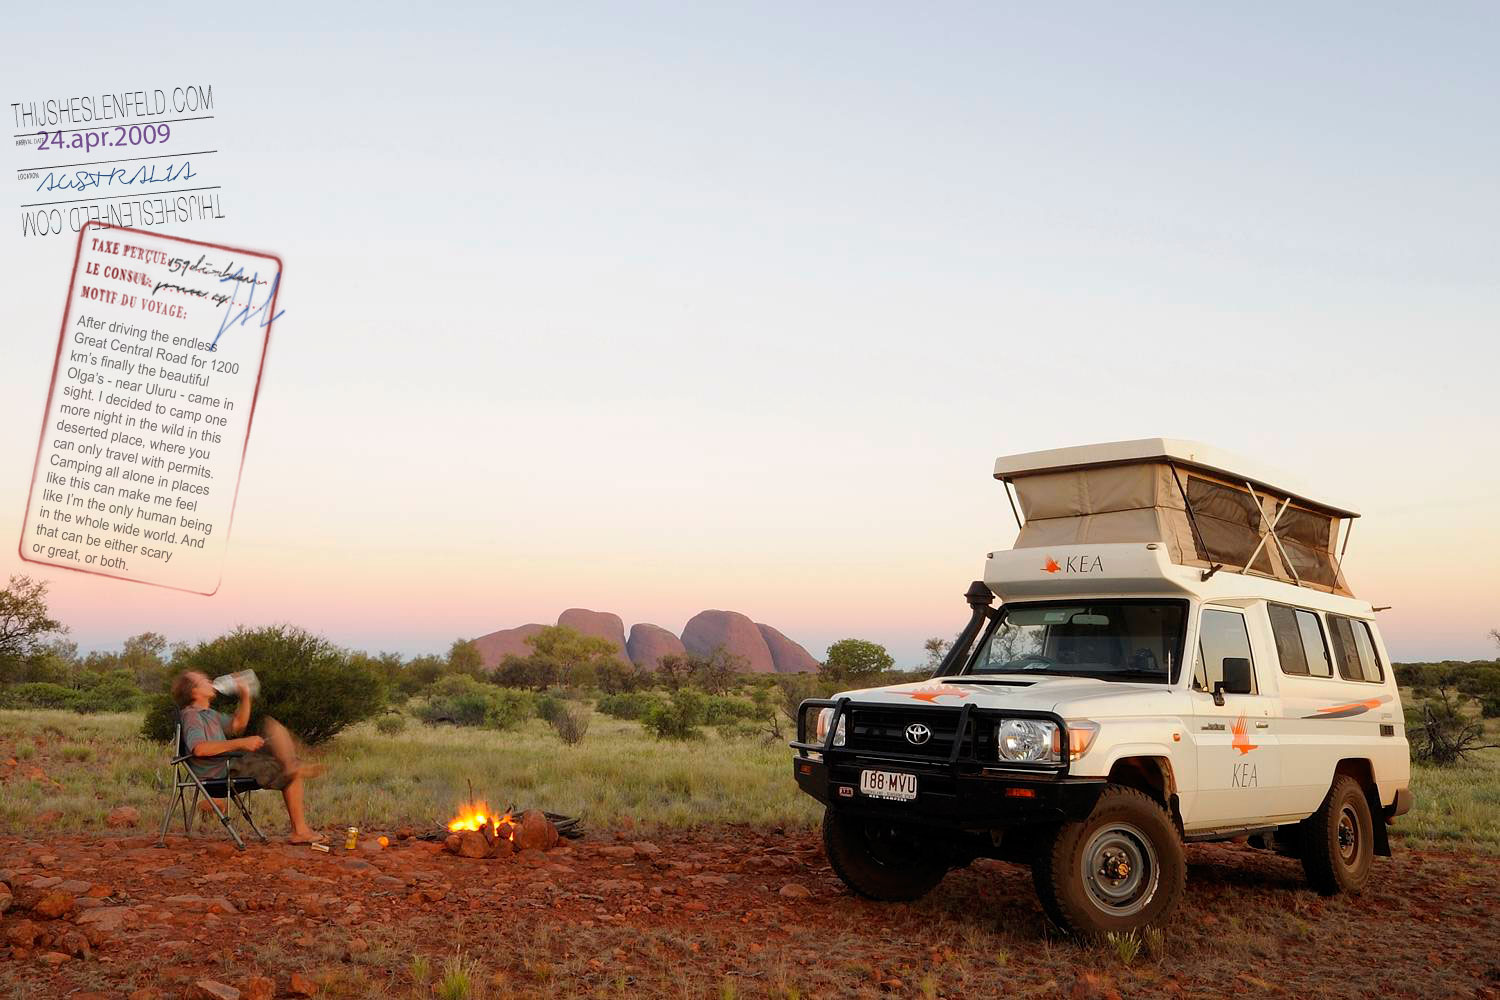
(1020, 793)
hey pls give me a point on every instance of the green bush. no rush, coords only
(114, 692)
(677, 719)
(549, 707)
(720, 709)
(391, 723)
(464, 701)
(308, 684)
(38, 694)
(161, 718)
(632, 705)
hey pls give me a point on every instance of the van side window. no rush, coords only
(1354, 650)
(1221, 634)
(1299, 641)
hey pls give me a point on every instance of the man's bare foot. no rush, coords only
(306, 837)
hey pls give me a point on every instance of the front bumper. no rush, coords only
(946, 798)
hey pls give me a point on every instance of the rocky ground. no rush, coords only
(728, 912)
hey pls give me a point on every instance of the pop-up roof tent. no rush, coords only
(1210, 508)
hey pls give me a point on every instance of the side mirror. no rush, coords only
(1237, 678)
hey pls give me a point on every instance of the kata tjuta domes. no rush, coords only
(765, 649)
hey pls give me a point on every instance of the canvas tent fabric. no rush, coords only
(1204, 517)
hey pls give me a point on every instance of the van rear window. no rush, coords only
(1354, 650)
(1299, 641)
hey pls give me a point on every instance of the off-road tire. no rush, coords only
(875, 871)
(1126, 826)
(1338, 841)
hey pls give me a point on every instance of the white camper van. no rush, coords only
(1176, 656)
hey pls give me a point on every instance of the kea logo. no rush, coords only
(1241, 741)
(1051, 566)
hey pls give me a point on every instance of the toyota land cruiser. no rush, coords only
(1176, 657)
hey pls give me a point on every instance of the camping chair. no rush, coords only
(236, 790)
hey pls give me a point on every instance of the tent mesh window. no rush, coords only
(1305, 536)
(1228, 525)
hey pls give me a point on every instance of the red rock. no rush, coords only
(109, 918)
(451, 844)
(75, 944)
(54, 904)
(146, 993)
(649, 643)
(472, 844)
(597, 624)
(46, 818)
(258, 988)
(6, 899)
(708, 630)
(1093, 986)
(22, 933)
(618, 852)
(358, 946)
(535, 832)
(646, 849)
(789, 657)
(507, 642)
(53, 958)
(301, 986)
(208, 989)
(794, 891)
(122, 816)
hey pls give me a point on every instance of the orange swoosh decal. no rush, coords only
(1367, 703)
(931, 695)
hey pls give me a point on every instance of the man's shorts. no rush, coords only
(261, 766)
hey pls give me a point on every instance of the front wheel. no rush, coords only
(1338, 841)
(882, 860)
(1119, 869)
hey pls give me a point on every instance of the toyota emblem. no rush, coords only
(917, 734)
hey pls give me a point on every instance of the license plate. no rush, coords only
(888, 785)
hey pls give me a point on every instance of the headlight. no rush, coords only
(1028, 741)
(1037, 741)
(824, 720)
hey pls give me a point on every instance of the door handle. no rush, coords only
(1262, 725)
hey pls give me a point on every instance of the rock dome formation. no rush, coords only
(649, 643)
(789, 657)
(708, 630)
(599, 624)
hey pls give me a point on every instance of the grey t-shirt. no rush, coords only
(198, 725)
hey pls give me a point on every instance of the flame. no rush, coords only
(477, 816)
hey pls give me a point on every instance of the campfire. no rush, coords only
(480, 832)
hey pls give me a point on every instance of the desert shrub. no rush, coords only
(1489, 706)
(570, 721)
(630, 706)
(614, 677)
(549, 707)
(463, 701)
(38, 694)
(677, 719)
(113, 692)
(1441, 733)
(308, 684)
(391, 723)
(161, 718)
(720, 709)
(509, 708)
(793, 689)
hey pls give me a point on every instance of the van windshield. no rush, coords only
(1134, 640)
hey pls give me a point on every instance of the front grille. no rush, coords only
(882, 729)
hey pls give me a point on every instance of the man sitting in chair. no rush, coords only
(270, 761)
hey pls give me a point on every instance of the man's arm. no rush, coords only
(212, 748)
(242, 713)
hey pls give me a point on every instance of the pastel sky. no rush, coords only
(683, 306)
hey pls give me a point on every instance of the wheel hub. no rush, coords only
(1120, 869)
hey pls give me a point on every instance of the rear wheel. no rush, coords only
(1119, 869)
(881, 860)
(1338, 841)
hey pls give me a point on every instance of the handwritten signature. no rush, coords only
(249, 310)
(82, 180)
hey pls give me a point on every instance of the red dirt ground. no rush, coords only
(707, 914)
